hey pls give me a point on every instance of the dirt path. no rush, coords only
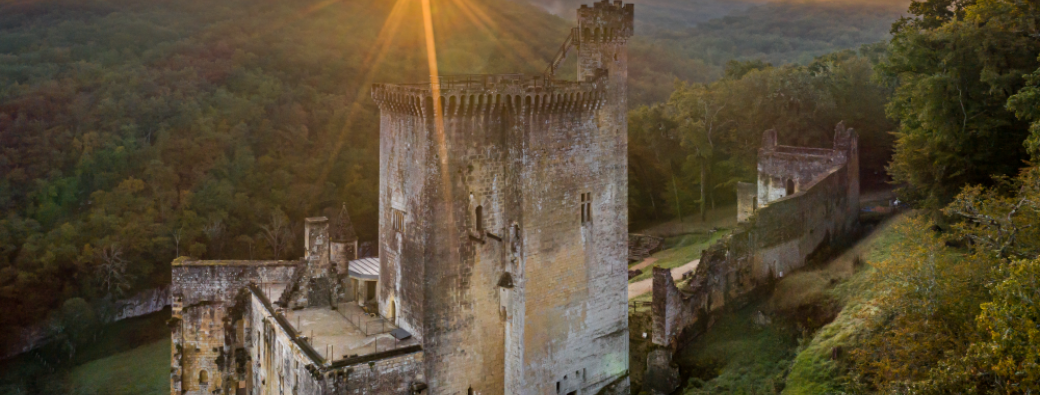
(646, 262)
(721, 217)
(641, 287)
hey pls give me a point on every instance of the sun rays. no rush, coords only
(441, 19)
(375, 56)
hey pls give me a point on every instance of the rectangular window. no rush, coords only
(586, 208)
(397, 220)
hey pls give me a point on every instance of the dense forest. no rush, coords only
(687, 153)
(132, 132)
(957, 307)
(136, 131)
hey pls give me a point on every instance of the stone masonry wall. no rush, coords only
(776, 240)
(203, 293)
(485, 250)
(281, 365)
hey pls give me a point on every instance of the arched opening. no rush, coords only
(203, 378)
(469, 391)
(790, 187)
(393, 312)
(480, 219)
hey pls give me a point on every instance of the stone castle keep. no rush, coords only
(502, 251)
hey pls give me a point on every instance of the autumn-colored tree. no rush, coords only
(929, 298)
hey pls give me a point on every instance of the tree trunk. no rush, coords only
(678, 206)
(704, 189)
(649, 190)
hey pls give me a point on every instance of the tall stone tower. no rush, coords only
(503, 234)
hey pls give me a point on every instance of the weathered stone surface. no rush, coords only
(662, 376)
(527, 178)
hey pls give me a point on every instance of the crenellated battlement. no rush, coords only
(468, 95)
(605, 22)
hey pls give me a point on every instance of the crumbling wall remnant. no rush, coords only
(774, 240)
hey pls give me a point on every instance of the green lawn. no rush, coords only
(142, 371)
(129, 357)
(680, 251)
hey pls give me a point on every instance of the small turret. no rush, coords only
(605, 22)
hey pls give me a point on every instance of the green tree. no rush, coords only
(955, 80)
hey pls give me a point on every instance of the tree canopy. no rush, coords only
(965, 95)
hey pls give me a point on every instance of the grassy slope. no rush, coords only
(141, 371)
(813, 370)
(126, 353)
(738, 357)
(683, 250)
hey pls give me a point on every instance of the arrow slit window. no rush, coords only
(586, 208)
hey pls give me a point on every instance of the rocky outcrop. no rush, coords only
(30, 337)
(143, 303)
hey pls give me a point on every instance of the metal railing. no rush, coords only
(561, 55)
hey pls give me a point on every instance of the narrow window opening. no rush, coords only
(790, 187)
(203, 377)
(480, 219)
(557, 387)
(397, 220)
(586, 208)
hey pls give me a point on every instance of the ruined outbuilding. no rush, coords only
(502, 250)
(805, 199)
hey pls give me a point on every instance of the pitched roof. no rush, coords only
(341, 230)
(364, 269)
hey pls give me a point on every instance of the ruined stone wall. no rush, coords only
(283, 363)
(776, 241)
(747, 201)
(800, 166)
(279, 365)
(203, 293)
